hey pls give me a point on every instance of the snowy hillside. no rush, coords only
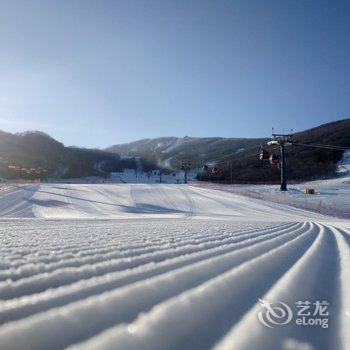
(344, 164)
(180, 268)
(171, 151)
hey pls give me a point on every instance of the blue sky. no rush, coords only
(96, 73)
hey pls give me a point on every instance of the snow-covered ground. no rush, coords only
(332, 196)
(165, 266)
(6, 186)
(139, 201)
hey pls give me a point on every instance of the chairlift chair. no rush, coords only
(274, 159)
(215, 171)
(264, 154)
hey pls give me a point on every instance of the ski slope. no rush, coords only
(139, 201)
(156, 266)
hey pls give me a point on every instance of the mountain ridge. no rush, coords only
(241, 154)
(35, 154)
(195, 150)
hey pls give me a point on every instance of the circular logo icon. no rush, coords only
(274, 314)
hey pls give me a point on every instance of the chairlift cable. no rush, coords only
(332, 147)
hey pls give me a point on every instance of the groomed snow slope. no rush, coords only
(166, 276)
(138, 201)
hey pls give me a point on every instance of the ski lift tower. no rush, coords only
(185, 167)
(282, 140)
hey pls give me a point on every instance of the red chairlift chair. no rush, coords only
(274, 159)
